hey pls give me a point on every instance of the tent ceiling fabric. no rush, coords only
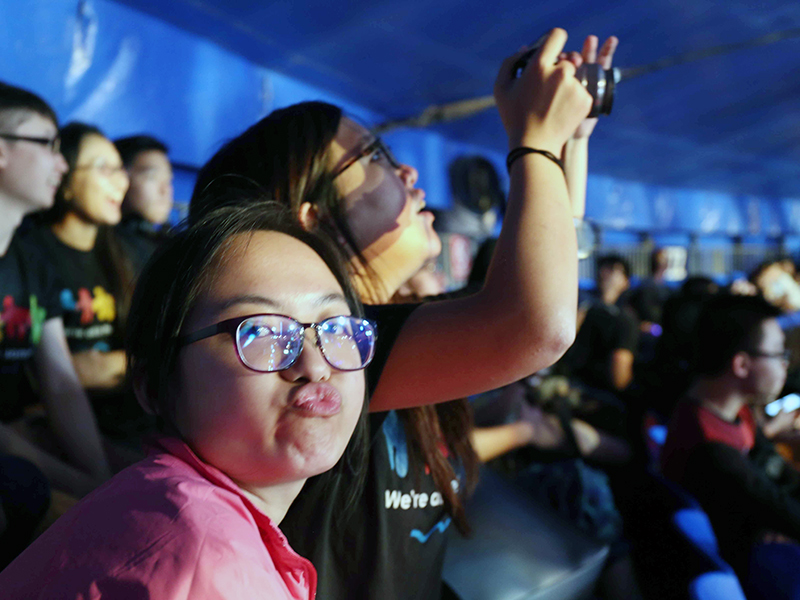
(729, 123)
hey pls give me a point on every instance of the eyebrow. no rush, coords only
(320, 301)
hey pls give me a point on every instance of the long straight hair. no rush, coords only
(285, 156)
(114, 260)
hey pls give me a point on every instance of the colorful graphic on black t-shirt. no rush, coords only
(89, 317)
(89, 309)
(18, 324)
(399, 499)
(28, 297)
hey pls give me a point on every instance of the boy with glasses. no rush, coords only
(31, 329)
(714, 447)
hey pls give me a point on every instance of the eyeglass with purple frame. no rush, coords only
(347, 343)
(375, 146)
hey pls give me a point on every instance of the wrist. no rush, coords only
(535, 141)
(527, 433)
(517, 153)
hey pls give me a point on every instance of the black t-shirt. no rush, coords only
(604, 330)
(29, 298)
(140, 239)
(393, 544)
(88, 307)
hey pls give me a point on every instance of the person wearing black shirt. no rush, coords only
(605, 347)
(96, 276)
(522, 320)
(714, 448)
(148, 201)
(648, 299)
(32, 328)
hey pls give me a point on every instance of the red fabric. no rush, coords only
(170, 527)
(692, 425)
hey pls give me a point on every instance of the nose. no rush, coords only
(310, 365)
(408, 174)
(122, 179)
(61, 164)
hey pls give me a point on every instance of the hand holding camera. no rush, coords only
(542, 107)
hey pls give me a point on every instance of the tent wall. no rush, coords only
(107, 64)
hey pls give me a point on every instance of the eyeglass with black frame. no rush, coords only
(783, 354)
(270, 342)
(103, 169)
(53, 143)
(377, 145)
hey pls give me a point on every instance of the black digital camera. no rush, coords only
(600, 83)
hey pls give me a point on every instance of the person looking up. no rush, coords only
(31, 169)
(247, 342)
(149, 199)
(522, 320)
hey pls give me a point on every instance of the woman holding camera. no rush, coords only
(521, 321)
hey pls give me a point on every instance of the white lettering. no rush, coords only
(423, 500)
(392, 499)
(405, 502)
(436, 499)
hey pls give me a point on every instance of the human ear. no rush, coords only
(3, 155)
(740, 365)
(140, 391)
(308, 216)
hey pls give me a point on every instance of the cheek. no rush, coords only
(215, 393)
(378, 213)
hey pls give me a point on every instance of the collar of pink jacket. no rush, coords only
(169, 527)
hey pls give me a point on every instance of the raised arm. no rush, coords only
(576, 150)
(68, 408)
(524, 318)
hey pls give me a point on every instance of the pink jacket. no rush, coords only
(169, 527)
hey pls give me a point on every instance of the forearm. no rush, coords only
(100, 370)
(532, 284)
(72, 420)
(68, 408)
(60, 475)
(491, 442)
(576, 165)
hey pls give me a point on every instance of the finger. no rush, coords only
(552, 46)
(507, 67)
(590, 49)
(607, 52)
(576, 59)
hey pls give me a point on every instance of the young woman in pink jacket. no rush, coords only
(246, 342)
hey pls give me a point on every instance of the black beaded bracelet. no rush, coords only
(523, 150)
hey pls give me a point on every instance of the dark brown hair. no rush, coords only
(728, 324)
(114, 260)
(285, 156)
(17, 100)
(171, 283)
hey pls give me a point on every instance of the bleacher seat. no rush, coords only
(716, 585)
(673, 542)
(774, 572)
(519, 550)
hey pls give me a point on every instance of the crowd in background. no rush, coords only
(578, 400)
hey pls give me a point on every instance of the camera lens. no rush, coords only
(601, 84)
